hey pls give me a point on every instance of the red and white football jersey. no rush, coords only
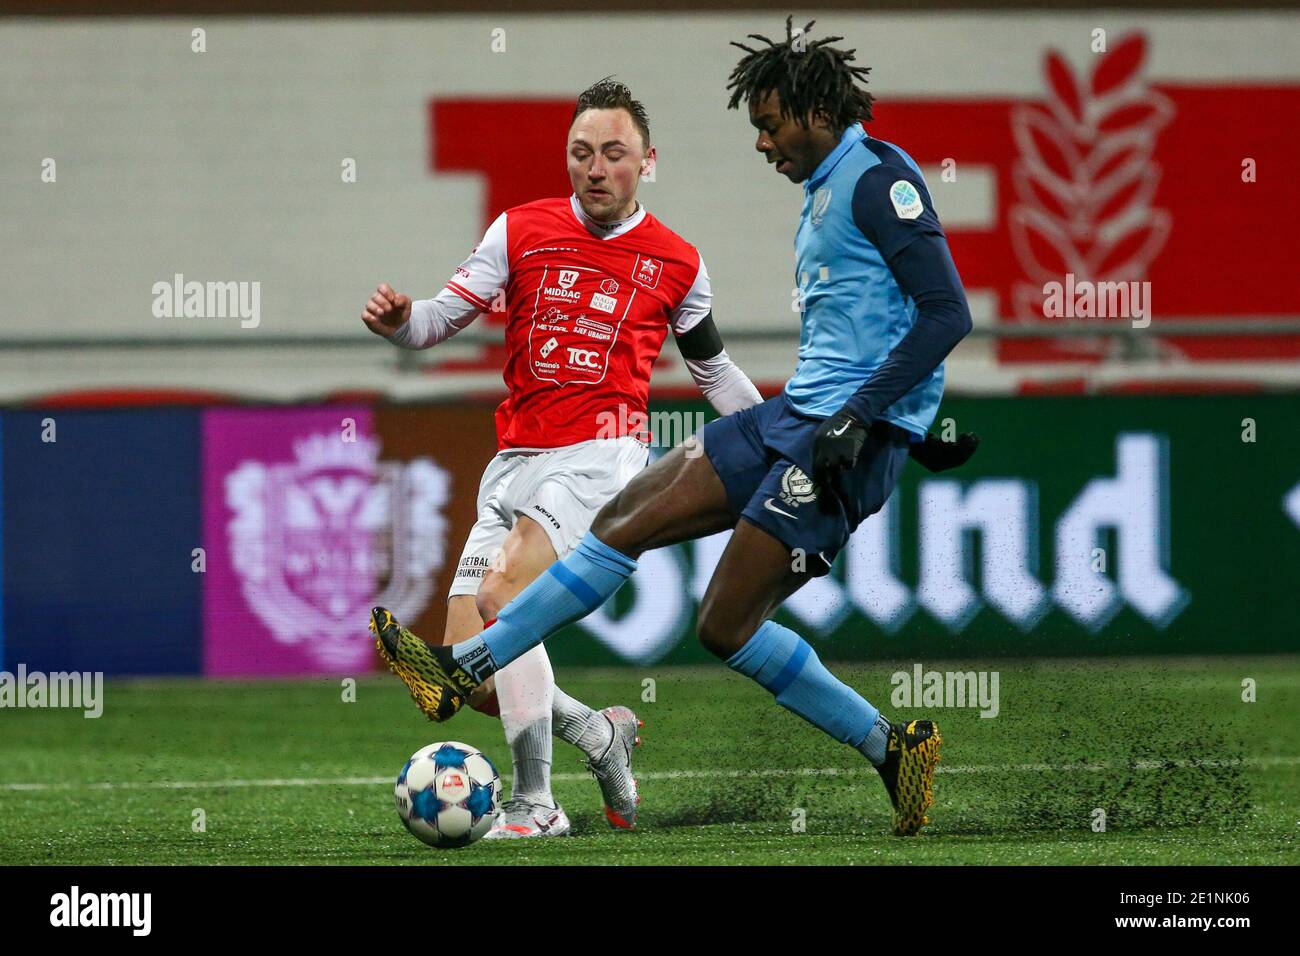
(588, 308)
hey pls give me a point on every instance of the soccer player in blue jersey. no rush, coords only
(794, 476)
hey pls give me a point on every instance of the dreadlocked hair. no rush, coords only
(810, 76)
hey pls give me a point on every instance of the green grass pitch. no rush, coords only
(288, 772)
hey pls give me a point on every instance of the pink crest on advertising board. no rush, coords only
(306, 528)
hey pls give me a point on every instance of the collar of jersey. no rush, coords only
(852, 136)
(606, 230)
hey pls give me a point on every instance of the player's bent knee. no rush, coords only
(463, 619)
(720, 634)
(606, 519)
(491, 597)
(613, 525)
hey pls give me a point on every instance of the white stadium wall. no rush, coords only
(226, 166)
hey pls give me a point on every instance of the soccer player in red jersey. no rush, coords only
(592, 283)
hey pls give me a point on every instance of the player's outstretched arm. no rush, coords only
(420, 324)
(727, 388)
(470, 292)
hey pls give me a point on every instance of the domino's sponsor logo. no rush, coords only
(906, 200)
(549, 347)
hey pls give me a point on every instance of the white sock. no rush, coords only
(874, 745)
(525, 694)
(578, 724)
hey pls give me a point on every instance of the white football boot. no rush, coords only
(520, 820)
(613, 769)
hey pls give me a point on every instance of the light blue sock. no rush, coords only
(565, 592)
(782, 661)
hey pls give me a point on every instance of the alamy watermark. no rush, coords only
(75, 690)
(1085, 299)
(922, 688)
(665, 429)
(208, 300)
(132, 911)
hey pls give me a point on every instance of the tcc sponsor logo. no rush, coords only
(584, 358)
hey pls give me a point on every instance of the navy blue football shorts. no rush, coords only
(763, 454)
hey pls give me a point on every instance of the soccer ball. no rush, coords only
(448, 794)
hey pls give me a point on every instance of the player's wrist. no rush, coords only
(844, 421)
(400, 334)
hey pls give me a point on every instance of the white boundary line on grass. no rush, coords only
(1289, 761)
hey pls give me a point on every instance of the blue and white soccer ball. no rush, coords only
(448, 794)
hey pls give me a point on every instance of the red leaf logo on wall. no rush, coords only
(1086, 176)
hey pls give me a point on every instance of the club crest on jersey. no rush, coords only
(796, 487)
(906, 200)
(821, 202)
(647, 271)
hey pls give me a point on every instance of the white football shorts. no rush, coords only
(561, 489)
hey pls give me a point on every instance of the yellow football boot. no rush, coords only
(437, 685)
(908, 773)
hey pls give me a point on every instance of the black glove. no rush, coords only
(934, 454)
(836, 448)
